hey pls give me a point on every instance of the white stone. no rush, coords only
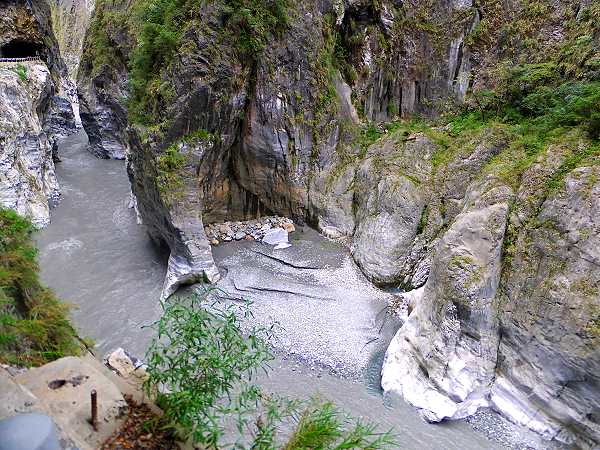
(275, 236)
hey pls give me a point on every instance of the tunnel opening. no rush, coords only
(18, 48)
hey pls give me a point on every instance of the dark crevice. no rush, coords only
(18, 48)
(286, 263)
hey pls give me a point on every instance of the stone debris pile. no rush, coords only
(250, 230)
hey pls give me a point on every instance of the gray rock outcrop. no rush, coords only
(444, 357)
(549, 354)
(34, 112)
(517, 330)
(27, 178)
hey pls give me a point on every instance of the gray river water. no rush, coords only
(95, 256)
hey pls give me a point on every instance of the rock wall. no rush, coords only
(27, 178)
(102, 82)
(70, 21)
(508, 319)
(33, 113)
(507, 310)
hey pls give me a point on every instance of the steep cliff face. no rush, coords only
(295, 108)
(102, 80)
(27, 179)
(33, 111)
(70, 21)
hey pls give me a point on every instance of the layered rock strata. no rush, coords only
(33, 111)
(27, 178)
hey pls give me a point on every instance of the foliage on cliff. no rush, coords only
(533, 90)
(34, 324)
(159, 27)
(203, 365)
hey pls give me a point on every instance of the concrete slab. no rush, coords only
(63, 391)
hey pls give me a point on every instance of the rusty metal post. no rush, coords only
(94, 420)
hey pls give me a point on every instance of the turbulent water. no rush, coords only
(95, 256)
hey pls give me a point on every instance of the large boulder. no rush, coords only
(443, 358)
(391, 193)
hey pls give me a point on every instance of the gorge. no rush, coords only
(439, 160)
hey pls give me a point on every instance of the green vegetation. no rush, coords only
(34, 324)
(532, 110)
(100, 50)
(168, 165)
(171, 162)
(251, 23)
(199, 356)
(159, 26)
(21, 71)
(323, 426)
(202, 366)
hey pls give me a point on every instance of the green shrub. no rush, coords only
(323, 426)
(159, 27)
(34, 324)
(202, 366)
(21, 71)
(199, 357)
(168, 166)
(251, 23)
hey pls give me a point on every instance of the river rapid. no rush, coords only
(95, 256)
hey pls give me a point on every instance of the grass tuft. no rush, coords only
(34, 324)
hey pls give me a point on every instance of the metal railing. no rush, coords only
(28, 58)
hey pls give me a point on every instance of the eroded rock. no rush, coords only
(443, 358)
(27, 177)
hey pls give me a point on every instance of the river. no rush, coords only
(95, 256)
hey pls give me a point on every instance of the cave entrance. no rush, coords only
(18, 48)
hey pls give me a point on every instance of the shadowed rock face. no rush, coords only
(549, 357)
(283, 132)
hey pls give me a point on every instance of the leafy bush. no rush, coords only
(159, 27)
(199, 358)
(202, 367)
(252, 22)
(21, 71)
(34, 324)
(323, 426)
